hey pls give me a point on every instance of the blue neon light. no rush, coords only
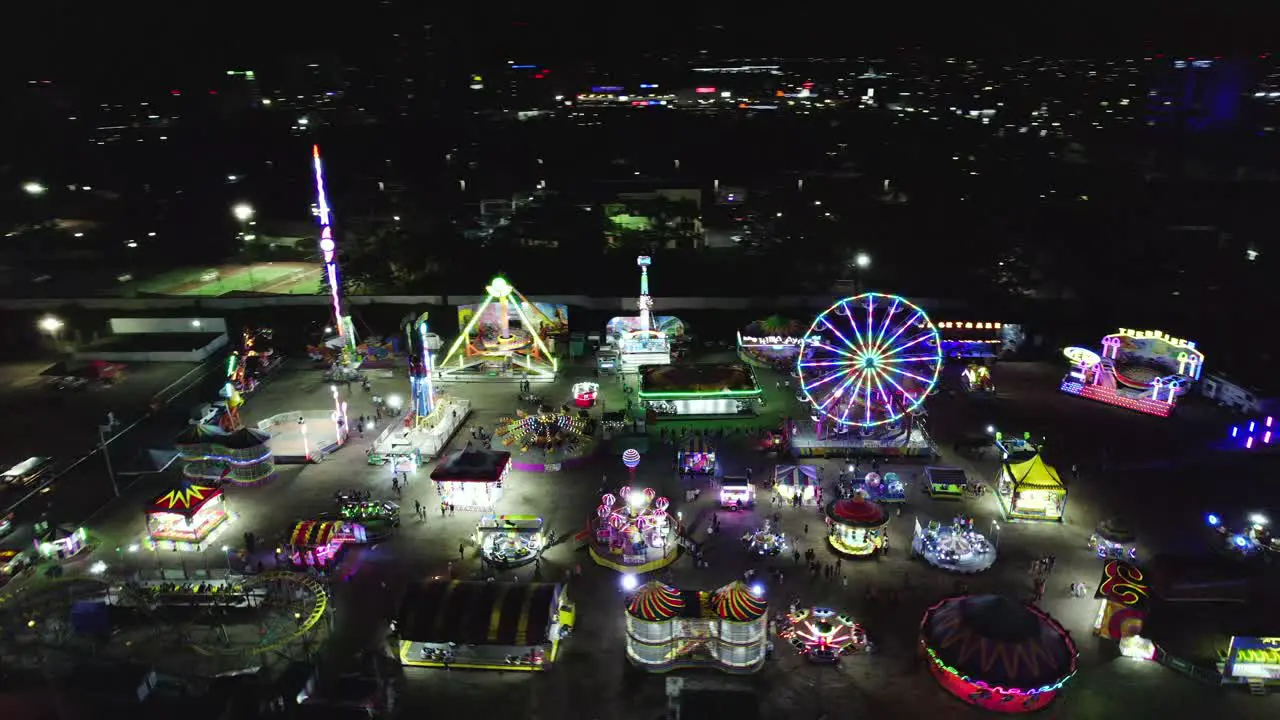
(523, 67)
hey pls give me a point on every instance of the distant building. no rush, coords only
(1237, 396)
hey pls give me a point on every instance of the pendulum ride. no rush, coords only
(489, 339)
(420, 369)
(329, 251)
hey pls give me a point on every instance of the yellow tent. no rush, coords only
(1034, 474)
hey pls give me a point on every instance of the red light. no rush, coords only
(538, 76)
(175, 92)
(546, 71)
(213, 92)
(704, 90)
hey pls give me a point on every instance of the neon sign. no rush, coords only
(770, 340)
(1081, 356)
(952, 325)
(704, 90)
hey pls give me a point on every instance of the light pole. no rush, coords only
(106, 456)
(51, 326)
(861, 262)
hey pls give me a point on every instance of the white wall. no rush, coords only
(133, 326)
(194, 355)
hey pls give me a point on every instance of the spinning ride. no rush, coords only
(320, 543)
(346, 331)
(766, 541)
(955, 548)
(886, 489)
(378, 518)
(584, 394)
(544, 441)
(1254, 539)
(1142, 370)
(822, 635)
(186, 518)
(977, 379)
(633, 532)
(856, 526)
(996, 653)
(866, 365)
(508, 541)
(1114, 539)
(489, 345)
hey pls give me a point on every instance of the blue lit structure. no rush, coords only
(1253, 434)
(420, 381)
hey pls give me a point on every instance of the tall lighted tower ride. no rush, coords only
(645, 302)
(420, 381)
(329, 251)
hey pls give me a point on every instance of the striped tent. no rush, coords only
(656, 602)
(736, 603)
(696, 444)
(313, 533)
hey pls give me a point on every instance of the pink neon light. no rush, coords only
(1143, 405)
(704, 90)
(1248, 443)
(1266, 438)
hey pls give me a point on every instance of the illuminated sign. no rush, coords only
(704, 90)
(1081, 356)
(949, 325)
(606, 88)
(1124, 584)
(1156, 335)
(648, 86)
(769, 340)
(1253, 657)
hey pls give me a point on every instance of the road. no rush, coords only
(593, 680)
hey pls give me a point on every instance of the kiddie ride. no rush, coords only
(1255, 540)
(822, 635)
(1142, 370)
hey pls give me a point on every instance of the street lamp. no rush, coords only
(34, 188)
(50, 324)
(862, 261)
(242, 212)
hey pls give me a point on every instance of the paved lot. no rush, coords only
(594, 681)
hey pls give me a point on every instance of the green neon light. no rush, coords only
(466, 333)
(499, 288)
(674, 395)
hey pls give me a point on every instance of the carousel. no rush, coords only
(1114, 539)
(633, 532)
(508, 541)
(822, 635)
(766, 541)
(955, 548)
(856, 526)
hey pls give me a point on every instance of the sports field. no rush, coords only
(279, 278)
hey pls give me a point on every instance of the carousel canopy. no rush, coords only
(737, 603)
(1034, 474)
(199, 433)
(472, 465)
(185, 500)
(857, 512)
(656, 602)
(998, 641)
(244, 439)
(473, 612)
(795, 475)
(313, 533)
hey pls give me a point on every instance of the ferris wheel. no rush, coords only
(869, 360)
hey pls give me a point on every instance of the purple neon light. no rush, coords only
(327, 246)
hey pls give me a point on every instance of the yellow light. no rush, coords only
(499, 288)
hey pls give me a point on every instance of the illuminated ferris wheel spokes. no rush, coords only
(870, 359)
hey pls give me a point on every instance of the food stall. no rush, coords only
(796, 484)
(736, 491)
(508, 541)
(186, 518)
(61, 543)
(1030, 490)
(320, 543)
(585, 393)
(472, 478)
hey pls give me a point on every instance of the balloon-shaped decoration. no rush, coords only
(608, 500)
(642, 523)
(617, 522)
(631, 458)
(662, 504)
(873, 478)
(602, 511)
(625, 493)
(649, 494)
